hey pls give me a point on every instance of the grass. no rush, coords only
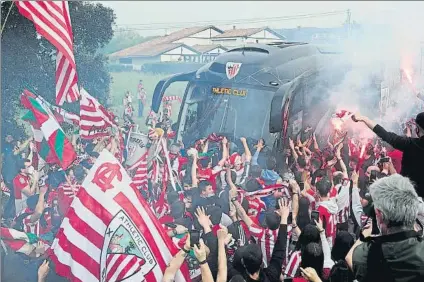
(128, 81)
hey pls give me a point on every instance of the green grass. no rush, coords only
(128, 81)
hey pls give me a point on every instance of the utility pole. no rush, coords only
(348, 19)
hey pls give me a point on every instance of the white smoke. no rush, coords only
(376, 55)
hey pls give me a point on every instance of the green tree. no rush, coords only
(28, 61)
(123, 39)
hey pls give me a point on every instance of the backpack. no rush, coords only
(341, 272)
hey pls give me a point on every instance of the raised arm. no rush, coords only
(259, 148)
(278, 254)
(39, 208)
(246, 149)
(328, 263)
(176, 262)
(224, 152)
(240, 211)
(316, 147)
(194, 181)
(222, 256)
(341, 162)
(398, 142)
(294, 153)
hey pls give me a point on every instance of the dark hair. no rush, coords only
(79, 173)
(354, 159)
(271, 163)
(252, 258)
(340, 272)
(338, 178)
(188, 194)
(272, 219)
(215, 214)
(369, 150)
(172, 197)
(253, 185)
(323, 187)
(303, 217)
(313, 256)
(316, 163)
(342, 244)
(203, 185)
(204, 162)
(310, 234)
(301, 161)
(177, 209)
(255, 171)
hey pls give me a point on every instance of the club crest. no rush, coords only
(125, 256)
(232, 69)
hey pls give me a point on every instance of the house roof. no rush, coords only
(155, 50)
(245, 32)
(162, 40)
(207, 48)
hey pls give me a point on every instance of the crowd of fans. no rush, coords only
(337, 212)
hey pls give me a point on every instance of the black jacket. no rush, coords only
(273, 271)
(413, 155)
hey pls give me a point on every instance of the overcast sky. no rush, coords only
(144, 16)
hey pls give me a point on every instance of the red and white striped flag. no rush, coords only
(109, 232)
(140, 175)
(51, 20)
(94, 118)
(16, 240)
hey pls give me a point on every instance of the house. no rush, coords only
(236, 37)
(209, 52)
(195, 44)
(175, 47)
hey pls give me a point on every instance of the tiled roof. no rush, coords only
(207, 48)
(155, 50)
(245, 32)
(162, 40)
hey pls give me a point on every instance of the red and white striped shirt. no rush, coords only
(329, 221)
(265, 238)
(35, 227)
(343, 202)
(293, 264)
(256, 206)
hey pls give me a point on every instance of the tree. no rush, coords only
(28, 61)
(123, 39)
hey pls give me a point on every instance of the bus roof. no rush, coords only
(266, 65)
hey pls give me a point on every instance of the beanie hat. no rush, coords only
(419, 120)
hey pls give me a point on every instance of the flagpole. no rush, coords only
(5, 19)
(168, 163)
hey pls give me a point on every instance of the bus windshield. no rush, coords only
(227, 110)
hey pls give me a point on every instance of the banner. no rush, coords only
(137, 147)
(110, 234)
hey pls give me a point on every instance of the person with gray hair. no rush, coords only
(397, 254)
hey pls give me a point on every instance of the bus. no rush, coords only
(258, 91)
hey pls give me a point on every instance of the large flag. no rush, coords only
(41, 118)
(94, 118)
(51, 20)
(109, 232)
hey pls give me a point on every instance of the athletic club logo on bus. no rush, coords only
(125, 254)
(232, 69)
